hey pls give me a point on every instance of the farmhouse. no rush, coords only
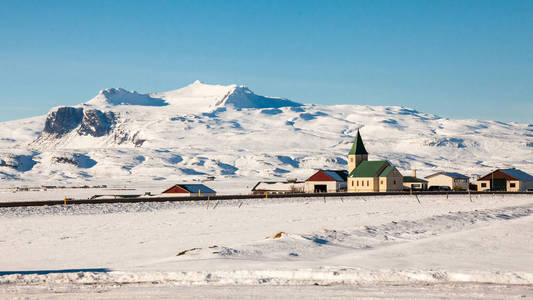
(188, 190)
(370, 176)
(276, 187)
(326, 181)
(510, 180)
(454, 181)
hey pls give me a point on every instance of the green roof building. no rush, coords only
(370, 176)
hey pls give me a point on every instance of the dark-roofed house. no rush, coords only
(511, 180)
(415, 183)
(454, 181)
(188, 190)
(370, 176)
(326, 181)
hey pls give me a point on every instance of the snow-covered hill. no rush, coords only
(121, 137)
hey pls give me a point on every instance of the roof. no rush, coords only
(338, 175)
(369, 168)
(413, 179)
(520, 175)
(358, 147)
(508, 174)
(386, 171)
(192, 188)
(449, 174)
(275, 186)
(329, 175)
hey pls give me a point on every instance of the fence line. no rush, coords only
(239, 197)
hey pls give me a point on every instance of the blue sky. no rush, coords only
(457, 59)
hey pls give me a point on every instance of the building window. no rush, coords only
(512, 184)
(382, 182)
(357, 182)
(368, 183)
(395, 181)
(352, 183)
(351, 159)
(483, 184)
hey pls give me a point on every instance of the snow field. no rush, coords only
(338, 241)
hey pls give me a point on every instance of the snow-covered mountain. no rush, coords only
(206, 130)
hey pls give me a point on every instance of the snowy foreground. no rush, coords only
(382, 247)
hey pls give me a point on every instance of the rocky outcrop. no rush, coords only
(63, 121)
(90, 122)
(96, 123)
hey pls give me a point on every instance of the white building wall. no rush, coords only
(440, 180)
(310, 186)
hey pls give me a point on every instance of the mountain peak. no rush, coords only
(197, 97)
(204, 97)
(120, 96)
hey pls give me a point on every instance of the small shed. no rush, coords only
(188, 190)
(327, 181)
(454, 181)
(414, 183)
(510, 180)
(277, 187)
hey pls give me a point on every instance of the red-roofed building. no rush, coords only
(188, 190)
(327, 181)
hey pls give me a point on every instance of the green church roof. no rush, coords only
(386, 171)
(358, 146)
(369, 168)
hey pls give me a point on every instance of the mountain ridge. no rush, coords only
(230, 132)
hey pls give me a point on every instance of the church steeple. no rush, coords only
(357, 154)
(358, 146)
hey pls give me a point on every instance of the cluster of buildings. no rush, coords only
(364, 175)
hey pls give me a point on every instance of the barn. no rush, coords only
(188, 190)
(327, 181)
(510, 180)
